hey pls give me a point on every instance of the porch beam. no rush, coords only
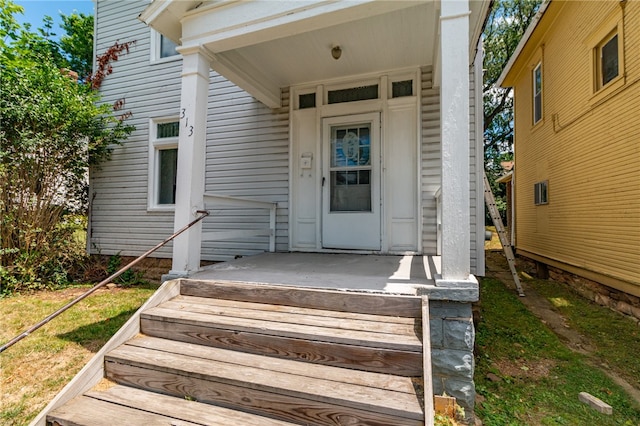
(223, 26)
(454, 107)
(191, 159)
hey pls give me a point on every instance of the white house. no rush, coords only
(352, 151)
(350, 127)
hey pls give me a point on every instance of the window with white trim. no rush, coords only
(537, 93)
(541, 193)
(163, 165)
(162, 48)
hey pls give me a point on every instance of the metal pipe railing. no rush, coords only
(102, 283)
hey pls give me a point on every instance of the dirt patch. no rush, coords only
(524, 368)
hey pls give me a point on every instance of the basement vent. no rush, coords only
(353, 94)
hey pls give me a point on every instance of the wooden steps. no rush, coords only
(302, 357)
(359, 341)
(121, 405)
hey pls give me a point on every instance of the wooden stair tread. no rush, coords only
(126, 405)
(302, 316)
(86, 411)
(296, 310)
(288, 366)
(126, 359)
(291, 326)
(334, 300)
(381, 360)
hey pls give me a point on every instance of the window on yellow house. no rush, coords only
(537, 93)
(607, 63)
(541, 193)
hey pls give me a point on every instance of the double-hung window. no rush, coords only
(163, 167)
(608, 54)
(537, 93)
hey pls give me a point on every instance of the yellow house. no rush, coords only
(575, 77)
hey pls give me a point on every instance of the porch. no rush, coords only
(409, 274)
(373, 130)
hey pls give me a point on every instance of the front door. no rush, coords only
(351, 182)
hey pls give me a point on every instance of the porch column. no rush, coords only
(191, 159)
(454, 126)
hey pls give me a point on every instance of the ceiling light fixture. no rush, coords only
(336, 52)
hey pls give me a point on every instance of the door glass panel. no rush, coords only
(350, 168)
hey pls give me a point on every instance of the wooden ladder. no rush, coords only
(497, 222)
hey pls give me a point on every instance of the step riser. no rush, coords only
(284, 407)
(349, 356)
(364, 303)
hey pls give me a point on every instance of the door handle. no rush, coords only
(322, 181)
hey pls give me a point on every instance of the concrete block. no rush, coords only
(458, 334)
(595, 403)
(450, 310)
(437, 336)
(465, 394)
(452, 363)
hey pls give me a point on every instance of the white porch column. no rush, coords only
(191, 159)
(454, 126)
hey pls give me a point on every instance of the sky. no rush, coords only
(35, 10)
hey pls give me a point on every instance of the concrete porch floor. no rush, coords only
(390, 274)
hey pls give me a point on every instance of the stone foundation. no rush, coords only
(599, 293)
(452, 339)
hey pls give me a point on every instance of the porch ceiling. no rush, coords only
(265, 46)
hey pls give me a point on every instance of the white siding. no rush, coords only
(431, 165)
(247, 149)
(431, 161)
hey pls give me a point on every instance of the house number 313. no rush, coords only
(186, 122)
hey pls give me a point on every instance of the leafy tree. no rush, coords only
(506, 24)
(77, 42)
(52, 128)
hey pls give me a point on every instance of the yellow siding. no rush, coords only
(587, 147)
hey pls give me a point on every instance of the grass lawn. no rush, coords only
(36, 368)
(616, 339)
(526, 376)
